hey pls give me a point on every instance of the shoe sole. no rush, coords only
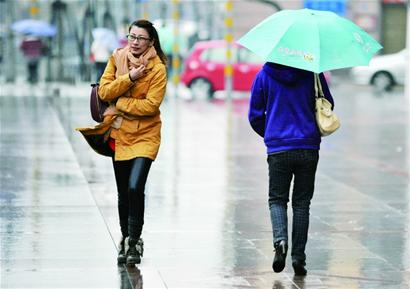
(299, 270)
(132, 262)
(121, 260)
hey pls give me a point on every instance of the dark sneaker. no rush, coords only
(134, 250)
(121, 259)
(281, 249)
(140, 246)
(299, 268)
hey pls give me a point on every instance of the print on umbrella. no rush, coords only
(295, 52)
(366, 46)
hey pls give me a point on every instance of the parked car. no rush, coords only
(203, 70)
(384, 71)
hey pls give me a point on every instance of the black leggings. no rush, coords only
(131, 177)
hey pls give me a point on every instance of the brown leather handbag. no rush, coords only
(97, 106)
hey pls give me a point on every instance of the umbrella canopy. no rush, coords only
(167, 36)
(311, 40)
(34, 28)
(106, 37)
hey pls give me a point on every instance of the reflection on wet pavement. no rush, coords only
(131, 278)
(52, 234)
(207, 222)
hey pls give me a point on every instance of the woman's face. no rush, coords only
(139, 40)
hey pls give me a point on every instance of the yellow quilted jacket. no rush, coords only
(140, 133)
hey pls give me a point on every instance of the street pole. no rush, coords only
(175, 48)
(34, 9)
(407, 84)
(229, 42)
(144, 9)
(228, 21)
(126, 17)
(11, 51)
(108, 18)
(407, 92)
(84, 37)
(58, 8)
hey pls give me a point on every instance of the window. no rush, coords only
(218, 54)
(247, 56)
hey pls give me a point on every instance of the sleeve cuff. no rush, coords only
(129, 77)
(126, 78)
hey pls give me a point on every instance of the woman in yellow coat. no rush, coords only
(134, 81)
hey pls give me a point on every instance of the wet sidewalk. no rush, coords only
(52, 232)
(207, 222)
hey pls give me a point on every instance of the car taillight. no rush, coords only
(193, 65)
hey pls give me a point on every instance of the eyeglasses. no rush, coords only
(132, 38)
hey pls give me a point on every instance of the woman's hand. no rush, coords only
(111, 110)
(135, 73)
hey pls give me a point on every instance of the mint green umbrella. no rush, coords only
(167, 38)
(311, 40)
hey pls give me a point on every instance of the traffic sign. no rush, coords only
(336, 6)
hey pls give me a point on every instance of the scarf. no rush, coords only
(125, 60)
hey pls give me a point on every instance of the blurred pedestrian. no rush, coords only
(282, 111)
(32, 48)
(2, 50)
(104, 43)
(100, 55)
(2, 43)
(134, 81)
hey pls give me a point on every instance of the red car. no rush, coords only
(203, 70)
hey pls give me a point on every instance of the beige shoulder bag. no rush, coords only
(327, 121)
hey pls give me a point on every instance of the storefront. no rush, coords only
(393, 24)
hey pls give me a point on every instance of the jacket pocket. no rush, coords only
(129, 131)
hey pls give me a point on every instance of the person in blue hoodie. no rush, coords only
(282, 111)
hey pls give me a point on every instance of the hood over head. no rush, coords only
(284, 74)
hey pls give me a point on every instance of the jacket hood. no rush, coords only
(284, 74)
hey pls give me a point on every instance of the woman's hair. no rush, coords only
(153, 34)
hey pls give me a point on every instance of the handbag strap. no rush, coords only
(318, 86)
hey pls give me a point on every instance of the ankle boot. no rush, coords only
(299, 267)
(281, 249)
(121, 258)
(140, 246)
(134, 250)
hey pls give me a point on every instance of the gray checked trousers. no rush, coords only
(301, 165)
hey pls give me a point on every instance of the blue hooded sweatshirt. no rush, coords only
(282, 108)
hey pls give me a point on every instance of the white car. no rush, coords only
(383, 71)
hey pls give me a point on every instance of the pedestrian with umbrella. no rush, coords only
(298, 46)
(32, 46)
(34, 27)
